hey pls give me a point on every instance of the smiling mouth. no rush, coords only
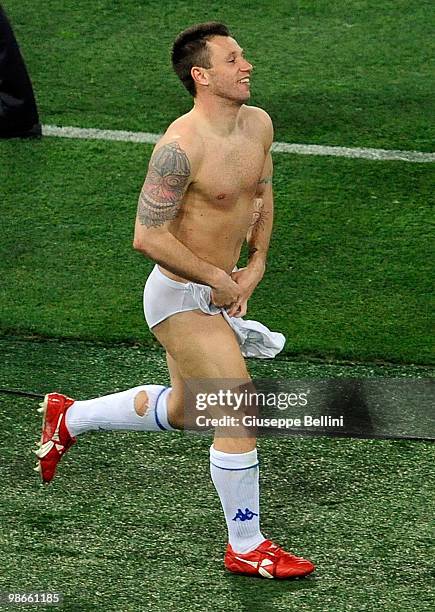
(245, 81)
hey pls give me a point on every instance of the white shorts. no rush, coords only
(164, 297)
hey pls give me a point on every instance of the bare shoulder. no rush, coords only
(263, 121)
(181, 142)
(259, 114)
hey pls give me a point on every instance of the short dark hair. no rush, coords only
(190, 49)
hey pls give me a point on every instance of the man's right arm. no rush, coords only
(169, 175)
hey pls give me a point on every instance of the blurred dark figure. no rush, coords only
(18, 112)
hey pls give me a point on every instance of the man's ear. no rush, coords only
(199, 75)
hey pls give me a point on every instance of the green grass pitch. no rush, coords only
(349, 253)
(132, 521)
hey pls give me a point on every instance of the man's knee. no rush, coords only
(176, 410)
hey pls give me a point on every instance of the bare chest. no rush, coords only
(230, 170)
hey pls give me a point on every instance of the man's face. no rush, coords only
(229, 76)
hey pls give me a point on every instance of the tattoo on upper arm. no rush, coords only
(259, 215)
(165, 185)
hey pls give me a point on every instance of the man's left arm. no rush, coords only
(258, 239)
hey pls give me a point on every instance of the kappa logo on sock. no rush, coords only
(248, 515)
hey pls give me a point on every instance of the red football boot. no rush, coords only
(269, 561)
(55, 438)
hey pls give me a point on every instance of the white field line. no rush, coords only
(277, 147)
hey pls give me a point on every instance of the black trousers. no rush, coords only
(18, 111)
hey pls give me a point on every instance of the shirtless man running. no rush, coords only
(207, 190)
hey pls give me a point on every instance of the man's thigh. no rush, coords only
(203, 346)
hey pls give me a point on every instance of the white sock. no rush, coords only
(235, 477)
(116, 411)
